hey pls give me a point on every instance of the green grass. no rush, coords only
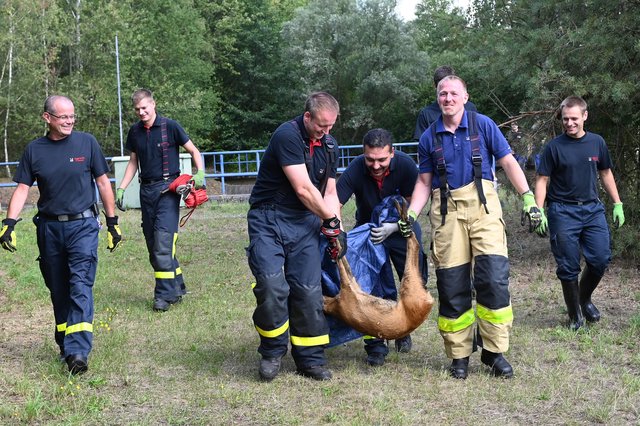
(197, 363)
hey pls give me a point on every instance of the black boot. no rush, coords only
(572, 300)
(588, 282)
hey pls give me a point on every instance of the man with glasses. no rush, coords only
(67, 165)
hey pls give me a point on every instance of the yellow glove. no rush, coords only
(8, 235)
(618, 215)
(114, 235)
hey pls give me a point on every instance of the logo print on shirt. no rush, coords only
(594, 159)
(76, 159)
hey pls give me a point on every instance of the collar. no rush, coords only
(440, 123)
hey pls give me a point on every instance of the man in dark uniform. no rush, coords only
(154, 144)
(431, 112)
(376, 174)
(576, 218)
(293, 200)
(468, 232)
(65, 164)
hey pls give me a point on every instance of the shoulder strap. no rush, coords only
(476, 156)
(441, 168)
(165, 147)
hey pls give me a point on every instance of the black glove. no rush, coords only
(8, 235)
(331, 230)
(334, 251)
(114, 235)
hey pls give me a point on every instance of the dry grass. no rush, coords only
(197, 363)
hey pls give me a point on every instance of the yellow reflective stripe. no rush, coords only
(166, 275)
(273, 333)
(495, 316)
(310, 341)
(173, 250)
(450, 325)
(367, 337)
(81, 326)
(61, 327)
(253, 285)
(178, 271)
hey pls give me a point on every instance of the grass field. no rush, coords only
(197, 363)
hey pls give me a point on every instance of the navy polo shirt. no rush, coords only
(64, 170)
(573, 165)
(286, 148)
(147, 144)
(457, 151)
(356, 179)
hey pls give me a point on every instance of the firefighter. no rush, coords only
(467, 227)
(65, 163)
(379, 172)
(570, 165)
(293, 201)
(154, 143)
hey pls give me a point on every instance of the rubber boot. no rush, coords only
(572, 300)
(588, 282)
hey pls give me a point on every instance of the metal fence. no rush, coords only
(230, 166)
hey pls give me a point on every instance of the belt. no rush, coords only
(162, 179)
(576, 203)
(67, 217)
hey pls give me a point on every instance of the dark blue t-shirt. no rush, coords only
(64, 170)
(457, 151)
(356, 179)
(572, 167)
(147, 144)
(286, 148)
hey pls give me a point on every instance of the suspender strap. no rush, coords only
(165, 147)
(476, 157)
(441, 167)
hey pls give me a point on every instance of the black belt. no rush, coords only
(67, 217)
(576, 203)
(162, 179)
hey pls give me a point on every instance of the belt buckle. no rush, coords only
(63, 218)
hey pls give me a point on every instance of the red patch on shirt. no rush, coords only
(313, 143)
(77, 159)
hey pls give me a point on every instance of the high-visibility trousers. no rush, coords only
(471, 239)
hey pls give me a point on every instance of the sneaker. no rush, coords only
(77, 364)
(375, 360)
(317, 372)
(269, 368)
(500, 367)
(403, 345)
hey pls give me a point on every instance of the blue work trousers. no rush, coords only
(576, 229)
(68, 262)
(285, 260)
(160, 216)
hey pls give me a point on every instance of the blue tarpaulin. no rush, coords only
(369, 263)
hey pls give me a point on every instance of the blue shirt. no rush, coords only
(357, 180)
(572, 166)
(457, 151)
(64, 170)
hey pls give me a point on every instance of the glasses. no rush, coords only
(71, 117)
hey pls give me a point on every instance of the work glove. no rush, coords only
(8, 235)
(381, 233)
(331, 230)
(198, 179)
(120, 199)
(543, 228)
(530, 211)
(618, 215)
(406, 226)
(114, 235)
